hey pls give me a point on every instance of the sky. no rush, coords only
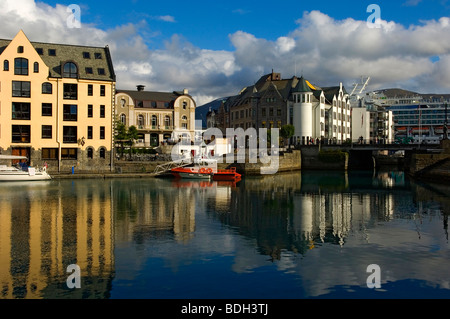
(216, 48)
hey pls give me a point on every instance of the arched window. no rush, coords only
(36, 67)
(154, 121)
(70, 70)
(6, 65)
(20, 66)
(140, 121)
(47, 88)
(184, 124)
(123, 119)
(90, 152)
(102, 152)
(184, 105)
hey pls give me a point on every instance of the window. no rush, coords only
(102, 152)
(89, 132)
(90, 90)
(153, 104)
(20, 49)
(46, 131)
(98, 55)
(70, 70)
(89, 70)
(21, 133)
(86, 55)
(102, 111)
(70, 112)
(21, 89)
(102, 90)
(123, 119)
(69, 134)
(184, 123)
(47, 88)
(102, 132)
(263, 111)
(51, 52)
(47, 109)
(49, 153)
(154, 122)
(271, 112)
(90, 110)
(70, 91)
(101, 71)
(90, 153)
(184, 105)
(36, 67)
(20, 66)
(21, 111)
(69, 153)
(40, 51)
(278, 112)
(6, 65)
(167, 122)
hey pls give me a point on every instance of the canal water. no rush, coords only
(296, 235)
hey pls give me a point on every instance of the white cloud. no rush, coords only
(325, 50)
(166, 18)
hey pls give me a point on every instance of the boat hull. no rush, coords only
(190, 174)
(8, 176)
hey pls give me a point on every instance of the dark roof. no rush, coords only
(302, 86)
(99, 58)
(150, 96)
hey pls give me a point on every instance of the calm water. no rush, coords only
(300, 235)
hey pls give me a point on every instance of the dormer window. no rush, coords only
(70, 70)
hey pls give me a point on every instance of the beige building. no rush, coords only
(56, 104)
(158, 116)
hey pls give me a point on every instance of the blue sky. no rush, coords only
(207, 24)
(215, 48)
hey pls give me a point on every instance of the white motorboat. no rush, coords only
(16, 173)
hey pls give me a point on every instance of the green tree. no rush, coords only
(287, 131)
(123, 136)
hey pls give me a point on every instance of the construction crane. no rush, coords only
(364, 81)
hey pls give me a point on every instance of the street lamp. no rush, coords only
(445, 137)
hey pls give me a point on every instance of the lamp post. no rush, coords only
(445, 137)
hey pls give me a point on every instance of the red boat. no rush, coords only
(229, 174)
(206, 169)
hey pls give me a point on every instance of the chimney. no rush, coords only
(140, 88)
(185, 92)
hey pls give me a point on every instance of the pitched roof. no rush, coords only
(96, 58)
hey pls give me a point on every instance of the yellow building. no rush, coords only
(57, 104)
(158, 116)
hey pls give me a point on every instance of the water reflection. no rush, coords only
(322, 229)
(44, 227)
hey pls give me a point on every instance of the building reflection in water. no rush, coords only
(297, 211)
(46, 227)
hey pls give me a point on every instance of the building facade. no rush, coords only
(317, 114)
(160, 117)
(56, 104)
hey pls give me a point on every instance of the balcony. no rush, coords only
(155, 127)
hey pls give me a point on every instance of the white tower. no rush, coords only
(303, 113)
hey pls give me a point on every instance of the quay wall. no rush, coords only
(434, 167)
(287, 162)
